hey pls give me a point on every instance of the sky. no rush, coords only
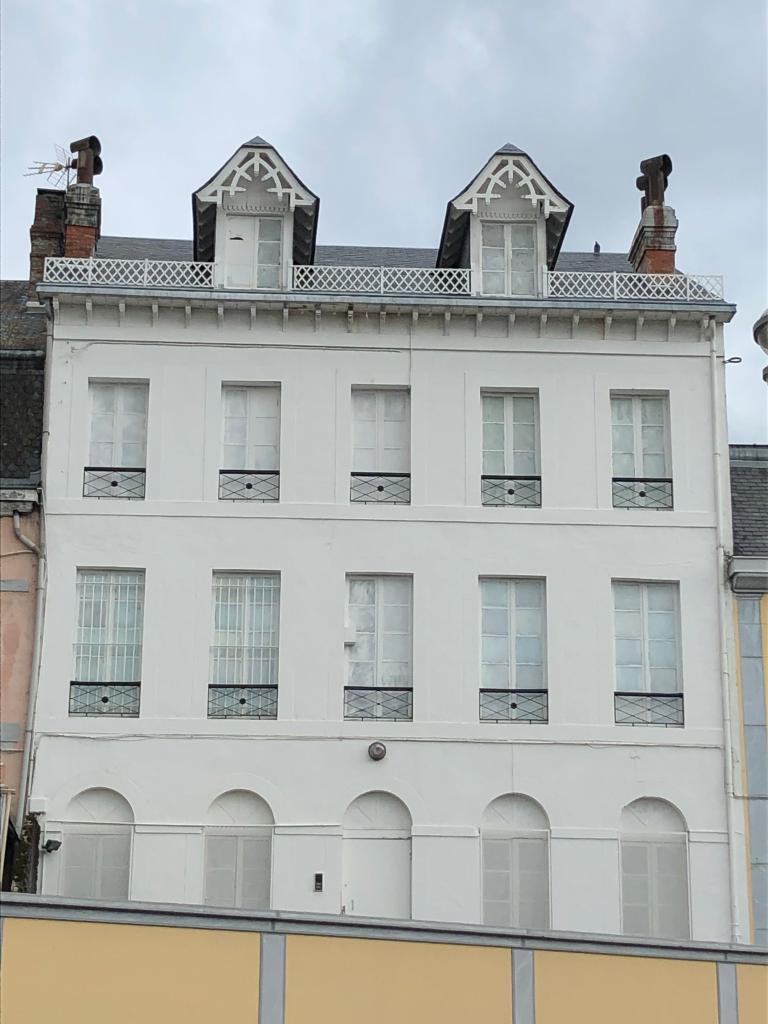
(387, 108)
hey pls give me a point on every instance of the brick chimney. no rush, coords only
(653, 247)
(46, 236)
(82, 220)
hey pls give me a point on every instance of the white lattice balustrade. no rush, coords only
(383, 280)
(571, 284)
(131, 273)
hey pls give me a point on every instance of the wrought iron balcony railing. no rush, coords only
(389, 702)
(514, 705)
(511, 490)
(556, 284)
(113, 482)
(249, 485)
(242, 701)
(112, 700)
(381, 488)
(649, 709)
(642, 492)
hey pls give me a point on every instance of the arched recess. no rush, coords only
(654, 870)
(376, 853)
(514, 832)
(97, 834)
(238, 851)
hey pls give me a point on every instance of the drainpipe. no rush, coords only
(725, 675)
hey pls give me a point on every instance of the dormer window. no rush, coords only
(508, 254)
(254, 251)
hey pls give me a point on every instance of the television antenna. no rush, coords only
(56, 170)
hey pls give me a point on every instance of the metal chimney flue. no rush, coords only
(88, 161)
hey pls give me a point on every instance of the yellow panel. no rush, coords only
(584, 988)
(75, 972)
(349, 981)
(752, 981)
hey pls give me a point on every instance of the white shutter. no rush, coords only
(381, 431)
(97, 864)
(220, 870)
(237, 869)
(251, 428)
(118, 425)
(380, 610)
(516, 881)
(115, 866)
(654, 885)
(80, 865)
(254, 871)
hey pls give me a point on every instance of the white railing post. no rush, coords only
(381, 280)
(545, 284)
(90, 270)
(146, 272)
(687, 288)
(615, 285)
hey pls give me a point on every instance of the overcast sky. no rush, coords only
(387, 108)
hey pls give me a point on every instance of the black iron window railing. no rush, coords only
(390, 702)
(113, 482)
(642, 492)
(113, 700)
(511, 490)
(249, 484)
(242, 701)
(383, 488)
(514, 706)
(649, 709)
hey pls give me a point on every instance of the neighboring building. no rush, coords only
(388, 582)
(294, 968)
(22, 359)
(748, 572)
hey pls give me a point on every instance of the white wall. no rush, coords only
(445, 766)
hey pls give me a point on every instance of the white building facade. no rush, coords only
(384, 586)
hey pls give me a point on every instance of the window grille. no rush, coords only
(108, 645)
(381, 458)
(648, 674)
(511, 474)
(516, 880)
(641, 458)
(513, 634)
(244, 652)
(380, 657)
(508, 258)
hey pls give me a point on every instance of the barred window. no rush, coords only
(380, 612)
(118, 425)
(246, 621)
(110, 613)
(251, 428)
(640, 435)
(513, 634)
(647, 637)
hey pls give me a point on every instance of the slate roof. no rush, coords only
(22, 363)
(749, 499)
(120, 248)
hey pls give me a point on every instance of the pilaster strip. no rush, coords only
(727, 994)
(523, 996)
(272, 979)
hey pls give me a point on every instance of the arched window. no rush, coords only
(238, 851)
(515, 849)
(96, 846)
(377, 857)
(654, 870)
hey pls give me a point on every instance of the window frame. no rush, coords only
(508, 423)
(120, 387)
(512, 637)
(645, 638)
(513, 837)
(508, 271)
(254, 264)
(110, 627)
(654, 840)
(252, 393)
(380, 394)
(378, 662)
(638, 456)
(245, 662)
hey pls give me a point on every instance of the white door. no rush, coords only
(377, 877)
(241, 248)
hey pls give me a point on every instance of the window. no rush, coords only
(96, 846)
(508, 258)
(648, 674)
(654, 871)
(250, 450)
(110, 612)
(511, 474)
(118, 442)
(379, 647)
(381, 457)
(254, 252)
(641, 461)
(238, 851)
(515, 851)
(244, 652)
(513, 664)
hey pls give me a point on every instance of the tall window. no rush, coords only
(515, 851)
(118, 441)
(654, 871)
(110, 613)
(238, 852)
(379, 647)
(641, 460)
(508, 258)
(244, 652)
(250, 450)
(648, 673)
(96, 846)
(381, 456)
(513, 659)
(254, 252)
(511, 474)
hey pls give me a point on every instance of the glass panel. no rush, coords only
(268, 277)
(521, 283)
(626, 596)
(661, 597)
(492, 234)
(269, 253)
(270, 229)
(493, 408)
(521, 236)
(493, 283)
(493, 259)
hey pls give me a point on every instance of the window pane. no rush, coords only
(493, 283)
(521, 236)
(270, 229)
(621, 410)
(522, 260)
(492, 234)
(626, 596)
(522, 284)
(269, 253)
(493, 408)
(494, 593)
(493, 259)
(529, 593)
(268, 277)
(661, 597)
